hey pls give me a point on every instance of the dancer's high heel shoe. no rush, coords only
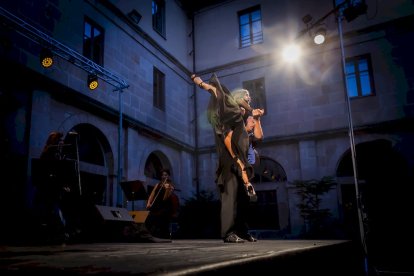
(249, 187)
(250, 192)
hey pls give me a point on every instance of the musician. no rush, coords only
(54, 200)
(163, 205)
(47, 193)
(51, 148)
(232, 143)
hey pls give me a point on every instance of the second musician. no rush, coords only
(163, 206)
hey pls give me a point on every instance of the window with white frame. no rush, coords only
(359, 76)
(250, 22)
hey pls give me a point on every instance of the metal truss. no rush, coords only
(62, 50)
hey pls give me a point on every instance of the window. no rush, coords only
(153, 167)
(257, 92)
(158, 16)
(93, 41)
(351, 9)
(359, 77)
(159, 89)
(350, 2)
(250, 21)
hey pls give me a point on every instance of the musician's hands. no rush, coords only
(168, 186)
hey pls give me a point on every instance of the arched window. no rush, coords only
(153, 166)
(156, 162)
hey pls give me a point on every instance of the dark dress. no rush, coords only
(224, 115)
(163, 210)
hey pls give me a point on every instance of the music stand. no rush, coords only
(134, 190)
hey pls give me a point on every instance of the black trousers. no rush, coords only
(234, 207)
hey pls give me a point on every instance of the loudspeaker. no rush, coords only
(110, 224)
(114, 214)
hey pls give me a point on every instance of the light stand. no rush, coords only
(120, 156)
(347, 10)
(77, 161)
(352, 143)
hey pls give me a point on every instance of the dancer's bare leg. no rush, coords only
(245, 178)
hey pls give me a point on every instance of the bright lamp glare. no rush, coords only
(291, 53)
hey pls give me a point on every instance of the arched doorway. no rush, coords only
(155, 163)
(95, 163)
(384, 188)
(270, 212)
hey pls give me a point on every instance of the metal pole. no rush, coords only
(119, 140)
(352, 143)
(77, 162)
(196, 155)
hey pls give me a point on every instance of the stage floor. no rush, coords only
(186, 257)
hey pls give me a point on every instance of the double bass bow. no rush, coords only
(153, 198)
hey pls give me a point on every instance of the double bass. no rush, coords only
(155, 193)
(163, 198)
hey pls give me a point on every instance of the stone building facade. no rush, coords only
(158, 120)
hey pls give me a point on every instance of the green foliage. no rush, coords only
(310, 192)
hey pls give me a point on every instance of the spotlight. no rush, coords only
(320, 36)
(46, 58)
(355, 9)
(92, 81)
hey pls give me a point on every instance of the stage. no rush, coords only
(186, 257)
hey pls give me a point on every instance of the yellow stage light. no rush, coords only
(92, 81)
(46, 58)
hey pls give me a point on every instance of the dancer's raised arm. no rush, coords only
(206, 86)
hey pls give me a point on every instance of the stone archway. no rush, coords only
(156, 161)
(96, 163)
(383, 177)
(270, 214)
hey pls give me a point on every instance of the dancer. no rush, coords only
(234, 171)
